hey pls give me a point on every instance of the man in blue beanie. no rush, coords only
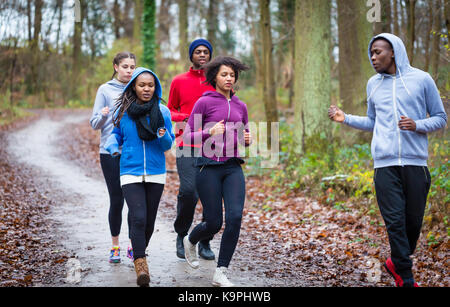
(193, 47)
(185, 90)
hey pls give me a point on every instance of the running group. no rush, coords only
(403, 106)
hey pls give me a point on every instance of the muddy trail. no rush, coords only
(298, 242)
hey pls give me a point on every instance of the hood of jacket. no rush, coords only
(140, 70)
(401, 56)
(115, 84)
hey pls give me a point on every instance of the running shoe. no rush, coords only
(130, 253)
(114, 256)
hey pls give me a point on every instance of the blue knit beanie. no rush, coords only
(199, 42)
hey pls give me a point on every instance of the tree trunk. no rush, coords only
(148, 34)
(251, 23)
(38, 4)
(428, 36)
(137, 21)
(312, 72)
(117, 19)
(183, 32)
(436, 39)
(163, 35)
(411, 28)
(60, 15)
(287, 50)
(269, 86)
(396, 21)
(354, 67)
(30, 22)
(76, 55)
(212, 21)
(386, 19)
(127, 21)
(447, 17)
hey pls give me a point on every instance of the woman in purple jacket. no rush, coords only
(219, 122)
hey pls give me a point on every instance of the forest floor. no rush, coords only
(54, 202)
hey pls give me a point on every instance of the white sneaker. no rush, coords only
(220, 279)
(190, 253)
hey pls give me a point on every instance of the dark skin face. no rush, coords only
(144, 87)
(382, 56)
(200, 56)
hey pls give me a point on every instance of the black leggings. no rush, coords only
(143, 201)
(216, 183)
(111, 171)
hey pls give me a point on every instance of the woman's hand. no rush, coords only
(407, 124)
(161, 132)
(336, 114)
(105, 111)
(247, 138)
(218, 128)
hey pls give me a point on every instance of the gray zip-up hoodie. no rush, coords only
(411, 93)
(107, 94)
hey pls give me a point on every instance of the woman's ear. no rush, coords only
(116, 68)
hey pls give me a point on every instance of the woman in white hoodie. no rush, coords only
(124, 64)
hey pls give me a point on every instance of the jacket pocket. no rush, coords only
(385, 144)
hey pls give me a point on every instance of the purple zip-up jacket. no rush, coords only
(210, 109)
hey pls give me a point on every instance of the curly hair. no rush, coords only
(213, 67)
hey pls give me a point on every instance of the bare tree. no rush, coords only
(354, 68)
(212, 21)
(269, 86)
(411, 28)
(183, 31)
(312, 71)
(435, 54)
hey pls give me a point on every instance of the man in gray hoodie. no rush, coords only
(399, 97)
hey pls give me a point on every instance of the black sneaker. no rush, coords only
(180, 247)
(205, 252)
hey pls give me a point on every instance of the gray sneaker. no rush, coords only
(220, 279)
(190, 253)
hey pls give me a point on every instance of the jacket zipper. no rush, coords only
(228, 117)
(394, 94)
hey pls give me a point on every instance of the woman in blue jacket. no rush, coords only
(143, 128)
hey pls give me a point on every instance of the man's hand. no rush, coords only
(406, 123)
(336, 114)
